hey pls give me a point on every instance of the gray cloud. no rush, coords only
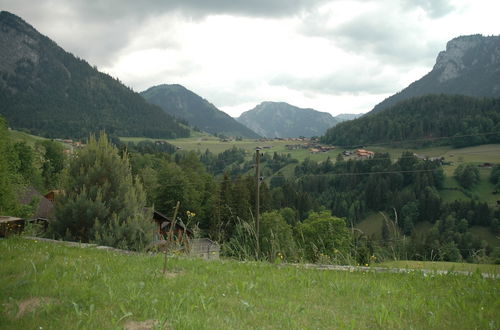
(390, 40)
(353, 82)
(98, 30)
(433, 8)
(381, 34)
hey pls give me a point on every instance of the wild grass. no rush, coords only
(95, 289)
(441, 265)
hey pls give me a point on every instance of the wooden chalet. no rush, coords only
(51, 195)
(44, 207)
(180, 232)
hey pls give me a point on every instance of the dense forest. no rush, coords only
(424, 121)
(47, 91)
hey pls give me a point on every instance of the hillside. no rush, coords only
(426, 117)
(280, 119)
(47, 91)
(180, 102)
(470, 65)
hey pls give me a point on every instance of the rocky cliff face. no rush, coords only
(465, 53)
(470, 65)
(22, 44)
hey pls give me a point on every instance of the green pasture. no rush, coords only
(50, 286)
(442, 265)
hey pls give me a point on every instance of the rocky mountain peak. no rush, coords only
(457, 57)
(23, 39)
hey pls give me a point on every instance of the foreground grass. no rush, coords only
(90, 288)
(441, 265)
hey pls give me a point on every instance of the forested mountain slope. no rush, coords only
(428, 118)
(180, 102)
(47, 91)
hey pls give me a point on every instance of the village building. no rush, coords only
(362, 153)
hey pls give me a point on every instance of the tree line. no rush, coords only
(429, 120)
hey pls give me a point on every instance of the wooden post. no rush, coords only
(169, 236)
(257, 201)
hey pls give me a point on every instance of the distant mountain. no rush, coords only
(470, 65)
(280, 119)
(456, 120)
(180, 102)
(47, 91)
(347, 116)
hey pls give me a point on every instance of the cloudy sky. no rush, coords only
(335, 56)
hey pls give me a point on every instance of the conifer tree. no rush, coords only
(102, 202)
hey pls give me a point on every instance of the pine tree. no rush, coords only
(102, 202)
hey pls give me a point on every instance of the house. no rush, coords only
(43, 208)
(362, 153)
(180, 232)
(51, 195)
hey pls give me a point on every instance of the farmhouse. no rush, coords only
(362, 153)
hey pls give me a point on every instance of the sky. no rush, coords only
(330, 55)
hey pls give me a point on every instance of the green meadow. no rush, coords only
(51, 286)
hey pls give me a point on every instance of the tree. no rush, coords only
(322, 233)
(53, 162)
(102, 202)
(467, 175)
(276, 239)
(495, 176)
(8, 202)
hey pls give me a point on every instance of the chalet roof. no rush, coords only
(45, 208)
(165, 221)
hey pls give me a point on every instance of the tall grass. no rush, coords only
(86, 288)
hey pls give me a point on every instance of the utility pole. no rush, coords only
(257, 200)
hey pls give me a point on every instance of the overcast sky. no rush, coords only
(335, 56)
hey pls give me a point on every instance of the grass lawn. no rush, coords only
(49, 286)
(19, 136)
(441, 265)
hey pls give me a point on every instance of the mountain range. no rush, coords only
(470, 65)
(47, 91)
(280, 119)
(180, 102)
(457, 103)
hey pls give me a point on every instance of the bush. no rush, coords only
(322, 234)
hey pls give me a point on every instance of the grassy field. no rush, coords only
(441, 265)
(49, 286)
(215, 145)
(19, 136)
(478, 154)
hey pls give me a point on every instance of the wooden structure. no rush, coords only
(51, 195)
(204, 248)
(10, 225)
(180, 233)
(44, 207)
